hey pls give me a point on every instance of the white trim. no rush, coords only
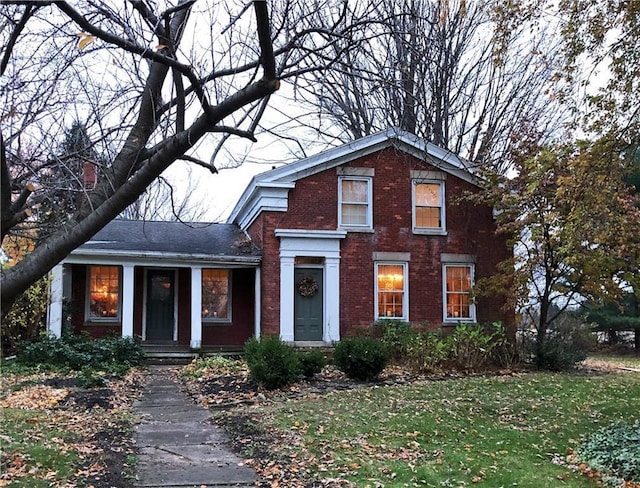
(258, 303)
(196, 307)
(128, 292)
(325, 244)
(56, 292)
(163, 259)
(405, 290)
(442, 230)
(472, 306)
(368, 225)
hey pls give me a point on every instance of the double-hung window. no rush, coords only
(216, 295)
(103, 293)
(355, 202)
(391, 291)
(428, 206)
(458, 302)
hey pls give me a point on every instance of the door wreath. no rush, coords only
(307, 286)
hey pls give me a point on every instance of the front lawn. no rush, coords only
(491, 431)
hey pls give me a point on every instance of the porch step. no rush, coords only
(168, 354)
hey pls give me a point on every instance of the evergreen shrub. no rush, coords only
(272, 363)
(360, 358)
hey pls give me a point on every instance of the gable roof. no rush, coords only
(268, 190)
(176, 240)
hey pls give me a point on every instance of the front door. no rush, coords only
(308, 304)
(160, 305)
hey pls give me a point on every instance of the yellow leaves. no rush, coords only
(85, 40)
(35, 398)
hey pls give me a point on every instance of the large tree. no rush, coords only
(152, 82)
(463, 75)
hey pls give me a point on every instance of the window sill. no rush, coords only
(216, 322)
(363, 230)
(430, 232)
(456, 322)
(93, 322)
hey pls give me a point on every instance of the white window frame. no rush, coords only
(472, 305)
(369, 223)
(405, 290)
(221, 320)
(442, 230)
(87, 307)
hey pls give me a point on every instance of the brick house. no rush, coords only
(372, 230)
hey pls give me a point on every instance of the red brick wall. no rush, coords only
(313, 204)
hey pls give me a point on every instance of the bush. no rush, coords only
(115, 355)
(428, 352)
(272, 363)
(360, 358)
(397, 336)
(614, 451)
(311, 363)
(556, 354)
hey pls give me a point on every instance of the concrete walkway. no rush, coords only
(177, 444)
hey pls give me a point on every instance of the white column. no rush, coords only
(54, 312)
(196, 307)
(257, 292)
(332, 300)
(286, 298)
(127, 300)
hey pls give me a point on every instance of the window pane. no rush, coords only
(215, 293)
(355, 191)
(104, 289)
(354, 214)
(428, 217)
(458, 291)
(390, 290)
(428, 194)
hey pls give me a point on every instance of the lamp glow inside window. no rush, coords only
(104, 292)
(355, 205)
(215, 294)
(391, 291)
(459, 279)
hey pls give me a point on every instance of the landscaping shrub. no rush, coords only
(614, 451)
(115, 355)
(555, 353)
(272, 363)
(428, 352)
(311, 363)
(360, 358)
(397, 336)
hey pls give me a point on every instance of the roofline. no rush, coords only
(441, 158)
(82, 255)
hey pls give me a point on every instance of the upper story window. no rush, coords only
(216, 295)
(391, 291)
(458, 303)
(355, 207)
(428, 207)
(103, 293)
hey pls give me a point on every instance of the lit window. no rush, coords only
(391, 292)
(458, 302)
(104, 293)
(215, 295)
(355, 202)
(428, 208)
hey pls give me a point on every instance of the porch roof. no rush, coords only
(173, 240)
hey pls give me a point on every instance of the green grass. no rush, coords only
(491, 432)
(31, 449)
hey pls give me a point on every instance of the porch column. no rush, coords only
(332, 299)
(54, 311)
(257, 304)
(127, 300)
(286, 298)
(196, 307)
